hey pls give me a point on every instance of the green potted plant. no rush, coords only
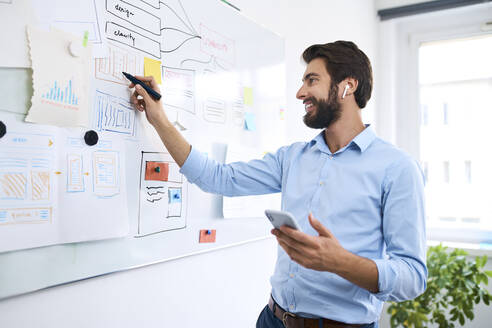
(454, 287)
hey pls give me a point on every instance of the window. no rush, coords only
(435, 103)
(448, 84)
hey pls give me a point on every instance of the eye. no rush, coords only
(311, 80)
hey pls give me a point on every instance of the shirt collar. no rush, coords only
(365, 138)
(362, 140)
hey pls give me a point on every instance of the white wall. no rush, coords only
(306, 22)
(226, 288)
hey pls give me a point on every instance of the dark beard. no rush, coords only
(326, 112)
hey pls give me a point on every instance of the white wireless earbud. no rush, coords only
(345, 91)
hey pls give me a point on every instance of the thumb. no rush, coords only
(142, 92)
(319, 227)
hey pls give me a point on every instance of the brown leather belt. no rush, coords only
(291, 320)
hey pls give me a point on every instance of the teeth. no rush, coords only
(308, 105)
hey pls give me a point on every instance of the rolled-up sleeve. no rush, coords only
(256, 177)
(403, 273)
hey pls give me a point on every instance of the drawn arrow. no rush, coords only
(58, 172)
(50, 143)
(86, 173)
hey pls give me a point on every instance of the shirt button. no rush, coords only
(291, 307)
(291, 275)
(321, 183)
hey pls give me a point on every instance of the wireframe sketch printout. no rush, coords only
(45, 174)
(60, 79)
(28, 188)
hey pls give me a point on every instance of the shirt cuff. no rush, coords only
(193, 166)
(387, 278)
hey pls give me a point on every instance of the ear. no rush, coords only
(347, 87)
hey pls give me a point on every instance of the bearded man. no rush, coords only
(358, 200)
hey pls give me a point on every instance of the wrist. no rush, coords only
(343, 262)
(161, 122)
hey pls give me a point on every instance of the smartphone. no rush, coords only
(280, 218)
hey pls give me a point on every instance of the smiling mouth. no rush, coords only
(308, 106)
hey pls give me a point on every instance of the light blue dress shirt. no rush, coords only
(369, 194)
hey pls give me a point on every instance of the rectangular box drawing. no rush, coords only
(214, 110)
(26, 182)
(25, 215)
(40, 185)
(162, 199)
(36, 142)
(174, 202)
(106, 173)
(118, 60)
(13, 185)
(178, 88)
(134, 15)
(75, 179)
(217, 45)
(114, 114)
(133, 39)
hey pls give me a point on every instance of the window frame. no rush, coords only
(399, 112)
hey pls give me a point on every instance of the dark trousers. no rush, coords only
(268, 320)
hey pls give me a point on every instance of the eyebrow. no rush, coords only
(310, 75)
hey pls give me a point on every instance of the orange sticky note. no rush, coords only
(157, 171)
(207, 236)
(153, 67)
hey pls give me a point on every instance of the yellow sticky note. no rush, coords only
(248, 96)
(153, 67)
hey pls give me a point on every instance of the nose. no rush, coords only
(301, 93)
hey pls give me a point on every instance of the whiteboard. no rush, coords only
(223, 81)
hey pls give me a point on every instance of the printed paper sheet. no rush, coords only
(55, 189)
(60, 80)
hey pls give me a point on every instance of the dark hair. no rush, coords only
(344, 59)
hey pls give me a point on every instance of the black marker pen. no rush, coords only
(136, 81)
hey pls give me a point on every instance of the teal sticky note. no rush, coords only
(249, 122)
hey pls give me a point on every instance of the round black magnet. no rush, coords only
(91, 138)
(3, 129)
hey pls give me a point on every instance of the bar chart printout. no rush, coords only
(61, 94)
(60, 80)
